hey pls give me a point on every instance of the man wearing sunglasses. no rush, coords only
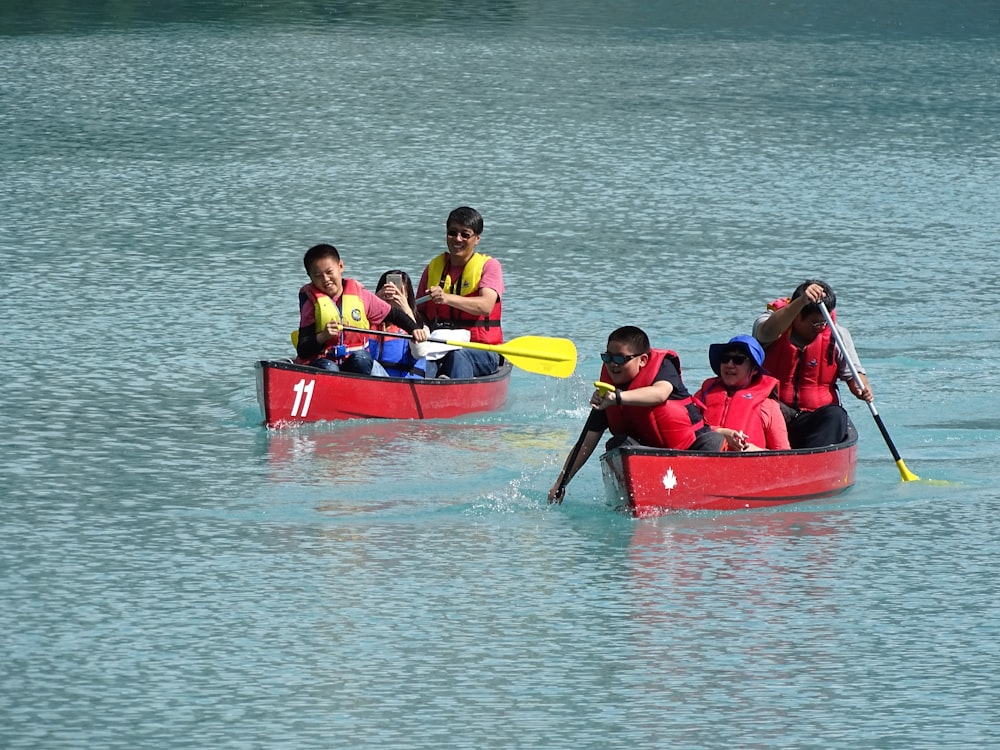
(802, 353)
(649, 405)
(464, 288)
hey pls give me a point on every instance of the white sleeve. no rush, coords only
(759, 322)
(419, 350)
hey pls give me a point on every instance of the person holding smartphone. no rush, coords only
(399, 357)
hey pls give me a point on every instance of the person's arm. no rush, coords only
(399, 318)
(775, 429)
(578, 456)
(482, 304)
(651, 395)
(421, 292)
(490, 291)
(667, 382)
(595, 427)
(311, 343)
(768, 331)
(860, 390)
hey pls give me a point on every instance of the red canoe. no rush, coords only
(289, 393)
(651, 481)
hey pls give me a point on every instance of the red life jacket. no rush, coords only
(483, 329)
(741, 410)
(672, 424)
(808, 376)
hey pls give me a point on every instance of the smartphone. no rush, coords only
(396, 280)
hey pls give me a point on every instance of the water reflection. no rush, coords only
(371, 466)
(733, 570)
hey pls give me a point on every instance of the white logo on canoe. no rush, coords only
(669, 480)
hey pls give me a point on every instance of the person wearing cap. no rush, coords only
(802, 353)
(741, 402)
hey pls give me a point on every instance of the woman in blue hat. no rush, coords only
(741, 403)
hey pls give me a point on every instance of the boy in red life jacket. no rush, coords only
(332, 301)
(465, 289)
(803, 355)
(649, 406)
(741, 403)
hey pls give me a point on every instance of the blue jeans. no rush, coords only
(360, 362)
(463, 364)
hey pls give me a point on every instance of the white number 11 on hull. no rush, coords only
(302, 389)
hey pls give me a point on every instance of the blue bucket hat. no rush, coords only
(748, 344)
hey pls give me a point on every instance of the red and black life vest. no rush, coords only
(807, 375)
(672, 424)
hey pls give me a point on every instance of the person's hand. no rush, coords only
(420, 335)
(815, 293)
(735, 440)
(332, 332)
(555, 495)
(436, 294)
(602, 399)
(861, 391)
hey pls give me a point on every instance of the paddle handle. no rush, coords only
(373, 332)
(421, 300)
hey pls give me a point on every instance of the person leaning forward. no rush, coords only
(650, 405)
(802, 353)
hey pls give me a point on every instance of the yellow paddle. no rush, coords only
(906, 474)
(541, 354)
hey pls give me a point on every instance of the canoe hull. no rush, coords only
(649, 481)
(290, 394)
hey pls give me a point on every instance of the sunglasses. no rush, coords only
(618, 359)
(736, 359)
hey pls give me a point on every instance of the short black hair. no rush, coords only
(632, 337)
(466, 217)
(319, 251)
(830, 299)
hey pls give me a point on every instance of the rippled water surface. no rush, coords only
(175, 575)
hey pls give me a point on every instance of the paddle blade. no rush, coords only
(541, 354)
(906, 474)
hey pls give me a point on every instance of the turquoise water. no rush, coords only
(174, 575)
